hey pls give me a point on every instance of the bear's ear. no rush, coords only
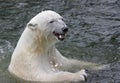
(32, 26)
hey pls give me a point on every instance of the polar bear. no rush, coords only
(35, 57)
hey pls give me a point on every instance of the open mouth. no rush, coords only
(60, 36)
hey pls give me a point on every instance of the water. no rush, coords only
(94, 33)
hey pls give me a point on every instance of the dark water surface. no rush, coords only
(94, 33)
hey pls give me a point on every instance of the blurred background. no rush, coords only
(94, 33)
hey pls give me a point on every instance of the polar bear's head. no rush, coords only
(50, 24)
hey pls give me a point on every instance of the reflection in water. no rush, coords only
(94, 33)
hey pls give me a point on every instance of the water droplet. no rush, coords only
(56, 65)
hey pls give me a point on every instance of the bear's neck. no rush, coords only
(36, 42)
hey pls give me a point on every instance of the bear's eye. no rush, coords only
(62, 19)
(51, 21)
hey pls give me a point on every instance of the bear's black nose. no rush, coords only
(65, 29)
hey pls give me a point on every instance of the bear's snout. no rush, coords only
(62, 34)
(65, 30)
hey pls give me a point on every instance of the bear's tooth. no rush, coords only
(60, 36)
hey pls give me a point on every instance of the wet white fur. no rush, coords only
(35, 57)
